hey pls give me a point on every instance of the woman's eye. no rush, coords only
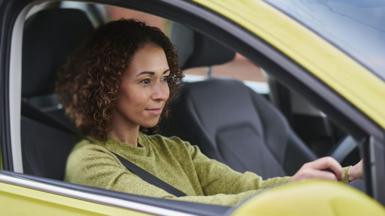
(145, 81)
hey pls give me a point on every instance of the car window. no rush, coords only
(43, 113)
(321, 138)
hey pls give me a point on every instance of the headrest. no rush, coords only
(196, 49)
(49, 38)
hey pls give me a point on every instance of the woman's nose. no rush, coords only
(161, 91)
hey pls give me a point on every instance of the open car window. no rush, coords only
(41, 109)
(200, 55)
(311, 121)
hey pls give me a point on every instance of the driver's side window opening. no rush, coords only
(246, 118)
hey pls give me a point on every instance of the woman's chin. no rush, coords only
(150, 124)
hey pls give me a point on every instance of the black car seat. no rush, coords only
(195, 49)
(47, 136)
(232, 123)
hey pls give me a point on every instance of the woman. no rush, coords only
(117, 85)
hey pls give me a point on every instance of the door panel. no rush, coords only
(17, 200)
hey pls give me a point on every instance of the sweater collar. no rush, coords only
(121, 147)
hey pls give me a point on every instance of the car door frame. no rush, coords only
(198, 17)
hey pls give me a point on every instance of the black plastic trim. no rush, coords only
(377, 168)
(3, 139)
(9, 11)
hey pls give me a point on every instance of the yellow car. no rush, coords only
(320, 90)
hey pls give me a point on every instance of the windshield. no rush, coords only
(355, 26)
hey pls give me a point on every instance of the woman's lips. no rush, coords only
(154, 111)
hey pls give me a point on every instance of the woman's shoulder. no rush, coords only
(88, 158)
(88, 144)
(86, 148)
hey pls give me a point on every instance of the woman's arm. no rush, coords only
(216, 177)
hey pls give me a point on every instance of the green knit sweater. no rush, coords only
(172, 160)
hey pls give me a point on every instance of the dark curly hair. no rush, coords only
(89, 83)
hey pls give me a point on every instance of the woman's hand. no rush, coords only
(323, 168)
(356, 171)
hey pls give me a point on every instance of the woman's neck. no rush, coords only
(130, 138)
(124, 131)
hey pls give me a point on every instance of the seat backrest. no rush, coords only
(229, 121)
(195, 49)
(46, 134)
(233, 124)
(45, 148)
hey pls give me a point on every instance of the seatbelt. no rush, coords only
(148, 177)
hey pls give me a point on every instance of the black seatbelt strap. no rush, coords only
(148, 177)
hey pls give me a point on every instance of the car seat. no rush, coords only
(47, 136)
(232, 123)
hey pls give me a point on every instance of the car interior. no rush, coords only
(234, 127)
(229, 121)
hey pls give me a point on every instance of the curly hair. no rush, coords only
(89, 83)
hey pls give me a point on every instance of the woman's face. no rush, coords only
(144, 89)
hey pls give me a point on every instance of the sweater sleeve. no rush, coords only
(92, 165)
(216, 177)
